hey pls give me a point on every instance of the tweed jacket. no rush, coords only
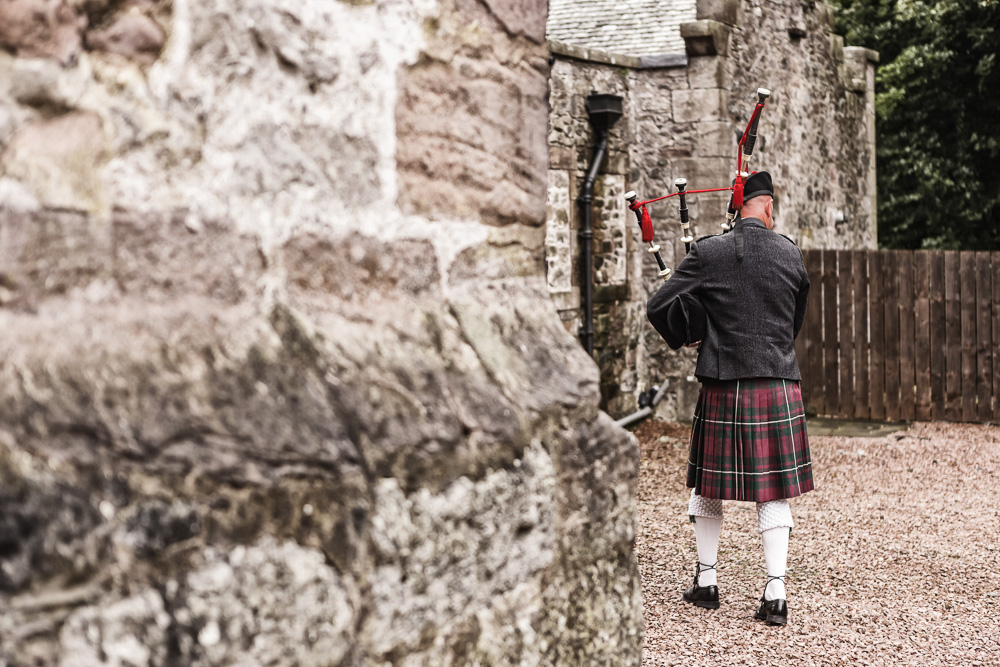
(755, 306)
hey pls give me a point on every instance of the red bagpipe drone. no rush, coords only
(743, 152)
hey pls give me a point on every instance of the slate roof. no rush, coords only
(627, 27)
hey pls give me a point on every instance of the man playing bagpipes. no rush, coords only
(742, 296)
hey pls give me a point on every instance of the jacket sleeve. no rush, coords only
(686, 279)
(800, 303)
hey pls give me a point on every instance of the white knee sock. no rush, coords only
(706, 533)
(776, 557)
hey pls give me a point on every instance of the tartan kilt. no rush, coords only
(749, 441)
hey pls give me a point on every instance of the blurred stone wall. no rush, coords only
(683, 117)
(282, 382)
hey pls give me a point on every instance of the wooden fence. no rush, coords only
(902, 335)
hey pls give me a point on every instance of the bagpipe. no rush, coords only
(744, 151)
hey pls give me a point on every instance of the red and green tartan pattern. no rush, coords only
(749, 441)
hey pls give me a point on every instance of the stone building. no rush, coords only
(280, 378)
(687, 72)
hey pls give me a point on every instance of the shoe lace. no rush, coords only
(702, 567)
(763, 596)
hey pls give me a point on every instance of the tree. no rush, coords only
(937, 118)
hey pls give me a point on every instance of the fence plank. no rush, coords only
(984, 344)
(939, 340)
(859, 267)
(890, 272)
(953, 338)
(845, 300)
(906, 304)
(967, 287)
(876, 284)
(813, 380)
(922, 336)
(830, 328)
(995, 300)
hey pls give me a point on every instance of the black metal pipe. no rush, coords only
(586, 236)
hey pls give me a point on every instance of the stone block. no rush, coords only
(708, 211)
(706, 38)
(708, 104)
(836, 48)
(58, 160)
(861, 54)
(708, 72)
(42, 28)
(616, 163)
(828, 14)
(567, 301)
(175, 255)
(715, 139)
(593, 55)
(472, 140)
(43, 83)
(663, 60)
(522, 17)
(704, 172)
(610, 293)
(729, 12)
(561, 157)
(50, 253)
(134, 36)
(854, 71)
(500, 259)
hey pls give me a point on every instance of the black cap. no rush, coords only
(686, 322)
(757, 184)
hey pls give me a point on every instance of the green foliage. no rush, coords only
(937, 118)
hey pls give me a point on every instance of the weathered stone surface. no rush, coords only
(716, 139)
(488, 405)
(520, 17)
(43, 84)
(276, 387)
(724, 11)
(133, 35)
(708, 72)
(558, 240)
(47, 527)
(463, 149)
(285, 599)
(699, 105)
(706, 38)
(41, 28)
(609, 220)
(176, 253)
(53, 253)
(510, 252)
(58, 160)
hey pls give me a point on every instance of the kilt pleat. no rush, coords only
(749, 441)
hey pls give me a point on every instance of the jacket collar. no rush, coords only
(753, 222)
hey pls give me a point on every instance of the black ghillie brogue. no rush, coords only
(772, 612)
(706, 597)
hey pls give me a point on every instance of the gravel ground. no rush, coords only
(893, 559)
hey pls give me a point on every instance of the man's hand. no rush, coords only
(695, 344)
